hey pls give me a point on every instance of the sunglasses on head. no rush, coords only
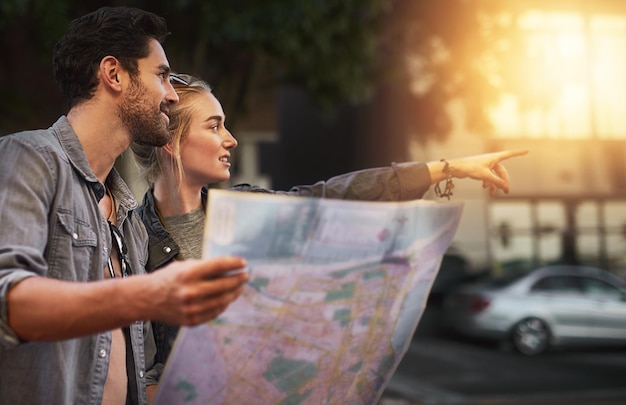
(174, 79)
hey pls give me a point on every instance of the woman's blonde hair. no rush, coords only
(150, 158)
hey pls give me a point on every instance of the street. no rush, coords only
(442, 369)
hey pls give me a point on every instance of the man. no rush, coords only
(72, 325)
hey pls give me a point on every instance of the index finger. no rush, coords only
(513, 153)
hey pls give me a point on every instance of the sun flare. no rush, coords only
(571, 78)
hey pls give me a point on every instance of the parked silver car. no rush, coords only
(547, 307)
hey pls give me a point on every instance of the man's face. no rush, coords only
(144, 108)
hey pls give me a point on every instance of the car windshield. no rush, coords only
(503, 281)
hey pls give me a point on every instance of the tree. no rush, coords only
(430, 53)
(247, 46)
(27, 33)
(409, 58)
(239, 46)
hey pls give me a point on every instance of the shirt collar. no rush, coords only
(76, 155)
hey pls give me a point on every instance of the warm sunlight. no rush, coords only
(570, 77)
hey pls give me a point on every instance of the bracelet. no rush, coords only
(447, 191)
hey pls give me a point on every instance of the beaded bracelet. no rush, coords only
(447, 192)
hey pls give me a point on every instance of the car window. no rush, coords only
(600, 289)
(561, 284)
(503, 281)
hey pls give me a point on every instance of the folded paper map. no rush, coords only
(336, 291)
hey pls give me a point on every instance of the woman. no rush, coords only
(198, 154)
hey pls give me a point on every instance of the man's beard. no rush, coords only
(144, 124)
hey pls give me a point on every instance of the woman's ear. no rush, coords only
(168, 149)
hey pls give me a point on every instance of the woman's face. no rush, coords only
(205, 151)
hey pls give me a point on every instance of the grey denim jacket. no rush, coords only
(52, 227)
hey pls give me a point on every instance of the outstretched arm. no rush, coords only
(487, 167)
(405, 181)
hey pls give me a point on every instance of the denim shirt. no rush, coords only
(52, 227)
(398, 182)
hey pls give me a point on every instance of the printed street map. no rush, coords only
(336, 291)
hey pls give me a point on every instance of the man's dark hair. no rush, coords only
(122, 32)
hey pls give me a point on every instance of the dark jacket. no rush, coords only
(398, 182)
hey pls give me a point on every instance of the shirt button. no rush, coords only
(75, 235)
(141, 374)
(106, 250)
(167, 249)
(102, 353)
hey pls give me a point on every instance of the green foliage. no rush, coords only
(337, 50)
(325, 46)
(28, 30)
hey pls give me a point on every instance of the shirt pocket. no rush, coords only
(73, 245)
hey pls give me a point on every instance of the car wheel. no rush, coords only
(531, 336)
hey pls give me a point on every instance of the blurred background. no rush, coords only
(315, 88)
